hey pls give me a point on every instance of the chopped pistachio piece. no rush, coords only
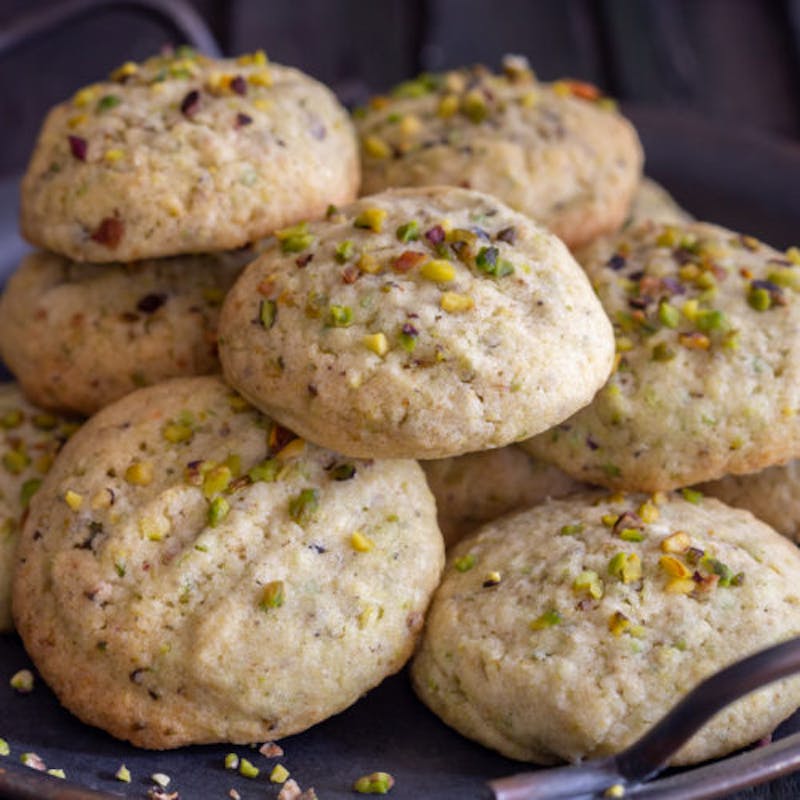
(247, 769)
(571, 530)
(295, 238)
(465, 563)
(266, 471)
(22, 681)
(123, 774)
(692, 495)
(361, 543)
(590, 582)
(267, 313)
(454, 303)
(5, 750)
(303, 505)
(140, 473)
(340, 316)
(375, 783)
(28, 490)
(217, 511)
(377, 343)
(546, 620)
(372, 219)
(376, 147)
(279, 774)
(408, 232)
(57, 773)
(439, 270)
(232, 761)
(674, 567)
(273, 595)
(73, 499)
(344, 251)
(618, 623)
(678, 542)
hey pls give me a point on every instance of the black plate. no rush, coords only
(727, 176)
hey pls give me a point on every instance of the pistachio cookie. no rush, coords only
(559, 152)
(417, 323)
(773, 495)
(566, 631)
(78, 336)
(651, 202)
(186, 154)
(478, 487)
(708, 362)
(31, 438)
(192, 572)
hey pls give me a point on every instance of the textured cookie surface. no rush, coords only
(650, 202)
(31, 438)
(79, 336)
(556, 152)
(567, 631)
(708, 378)
(191, 572)
(773, 495)
(186, 154)
(417, 323)
(478, 487)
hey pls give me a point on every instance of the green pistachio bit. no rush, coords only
(295, 239)
(343, 472)
(340, 316)
(408, 232)
(617, 564)
(176, 432)
(28, 490)
(589, 581)
(631, 535)
(119, 568)
(465, 563)
(232, 761)
(272, 596)
(787, 277)
(15, 461)
(692, 495)
(408, 340)
(12, 419)
(57, 773)
(716, 566)
(668, 315)
(488, 261)
(247, 769)
(711, 320)
(123, 774)
(344, 251)
(216, 480)
(303, 505)
(571, 530)
(32, 760)
(22, 681)
(417, 87)
(5, 750)
(546, 620)
(266, 471)
(217, 511)
(108, 101)
(376, 783)
(267, 313)
(663, 352)
(759, 298)
(279, 774)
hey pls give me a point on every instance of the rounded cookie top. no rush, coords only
(558, 152)
(79, 336)
(708, 374)
(192, 572)
(478, 487)
(30, 439)
(417, 323)
(186, 154)
(566, 631)
(773, 495)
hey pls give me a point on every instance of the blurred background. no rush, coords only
(736, 62)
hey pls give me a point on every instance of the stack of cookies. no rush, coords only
(237, 556)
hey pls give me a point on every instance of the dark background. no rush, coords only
(733, 61)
